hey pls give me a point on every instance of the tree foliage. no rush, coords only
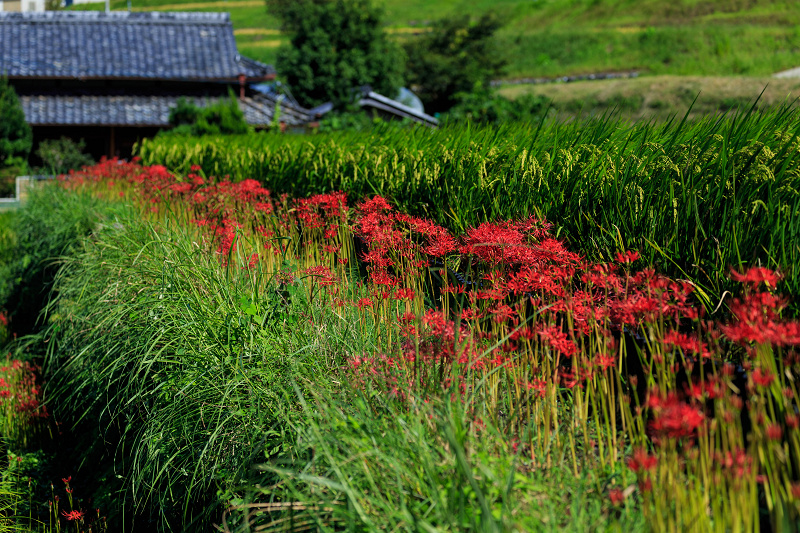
(222, 117)
(457, 55)
(59, 156)
(16, 137)
(335, 46)
(483, 105)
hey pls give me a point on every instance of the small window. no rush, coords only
(31, 6)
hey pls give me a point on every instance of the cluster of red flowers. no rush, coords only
(20, 391)
(758, 321)
(511, 298)
(514, 266)
(672, 417)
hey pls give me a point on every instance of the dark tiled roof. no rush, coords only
(93, 44)
(393, 107)
(291, 114)
(51, 110)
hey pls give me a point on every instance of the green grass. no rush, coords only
(29, 240)
(696, 198)
(660, 97)
(410, 469)
(168, 365)
(562, 37)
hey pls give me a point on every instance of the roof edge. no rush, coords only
(141, 17)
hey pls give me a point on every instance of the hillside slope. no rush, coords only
(560, 37)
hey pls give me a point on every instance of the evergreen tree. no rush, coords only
(454, 58)
(335, 47)
(16, 137)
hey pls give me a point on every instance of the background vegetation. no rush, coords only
(220, 118)
(16, 138)
(335, 47)
(562, 37)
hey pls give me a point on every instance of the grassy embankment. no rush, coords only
(315, 384)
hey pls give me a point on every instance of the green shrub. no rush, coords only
(189, 388)
(485, 106)
(47, 227)
(219, 118)
(59, 156)
(8, 176)
(348, 121)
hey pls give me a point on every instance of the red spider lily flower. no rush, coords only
(404, 293)
(364, 302)
(605, 361)
(758, 321)
(558, 340)
(73, 515)
(407, 317)
(66, 480)
(181, 188)
(641, 461)
(322, 275)
(616, 496)
(762, 379)
(792, 421)
(375, 205)
(471, 313)
(627, 256)
(673, 418)
(757, 275)
(774, 432)
(686, 343)
(569, 379)
(503, 313)
(538, 386)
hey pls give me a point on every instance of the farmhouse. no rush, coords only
(112, 78)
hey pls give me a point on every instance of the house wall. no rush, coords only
(22, 5)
